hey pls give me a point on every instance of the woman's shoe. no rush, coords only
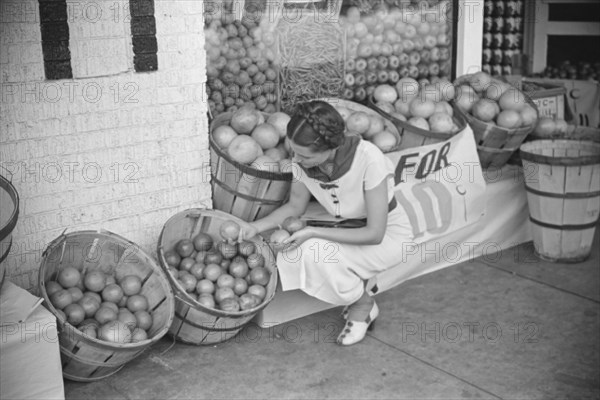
(355, 331)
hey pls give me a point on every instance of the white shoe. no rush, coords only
(354, 331)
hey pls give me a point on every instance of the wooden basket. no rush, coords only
(413, 136)
(496, 145)
(195, 323)
(563, 192)
(87, 359)
(9, 214)
(241, 190)
(355, 107)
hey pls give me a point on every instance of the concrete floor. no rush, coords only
(514, 327)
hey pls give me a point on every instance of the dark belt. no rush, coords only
(350, 222)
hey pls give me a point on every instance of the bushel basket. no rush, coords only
(413, 136)
(194, 323)
(495, 144)
(241, 190)
(89, 359)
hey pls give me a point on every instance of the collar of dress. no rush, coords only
(342, 161)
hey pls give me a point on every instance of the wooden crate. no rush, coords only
(195, 323)
(84, 358)
(241, 190)
(563, 192)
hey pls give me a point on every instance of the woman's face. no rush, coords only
(307, 157)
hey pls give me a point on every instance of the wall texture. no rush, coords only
(111, 148)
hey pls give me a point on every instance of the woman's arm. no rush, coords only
(373, 233)
(296, 206)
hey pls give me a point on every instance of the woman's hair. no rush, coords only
(318, 125)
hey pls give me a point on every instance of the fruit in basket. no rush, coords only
(419, 122)
(61, 298)
(223, 135)
(385, 93)
(509, 119)
(131, 284)
(112, 293)
(68, 277)
(485, 110)
(229, 230)
(385, 140)
(244, 120)
(358, 122)
(115, 331)
(545, 128)
(75, 314)
(279, 120)
(266, 136)
(512, 99)
(441, 122)
(244, 149)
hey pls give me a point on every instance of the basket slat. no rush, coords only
(194, 323)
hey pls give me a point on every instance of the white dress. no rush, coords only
(335, 272)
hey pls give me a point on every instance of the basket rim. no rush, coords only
(460, 121)
(66, 326)
(7, 186)
(527, 153)
(189, 300)
(226, 116)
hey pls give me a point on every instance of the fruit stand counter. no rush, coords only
(504, 225)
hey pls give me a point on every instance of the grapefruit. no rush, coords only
(266, 136)
(422, 108)
(358, 122)
(441, 122)
(244, 149)
(385, 93)
(528, 115)
(245, 119)
(376, 126)
(509, 119)
(512, 99)
(485, 110)
(466, 97)
(385, 140)
(223, 135)
(280, 121)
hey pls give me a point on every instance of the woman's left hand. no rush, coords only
(298, 237)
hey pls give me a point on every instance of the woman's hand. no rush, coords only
(298, 237)
(247, 231)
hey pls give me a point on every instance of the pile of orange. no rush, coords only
(99, 306)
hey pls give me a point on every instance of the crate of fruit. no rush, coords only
(421, 112)
(111, 300)
(219, 284)
(500, 115)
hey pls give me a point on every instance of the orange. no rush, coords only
(202, 241)
(376, 126)
(258, 290)
(246, 248)
(207, 300)
(512, 99)
(278, 236)
(255, 260)
(138, 335)
(137, 302)
(94, 281)
(421, 108)
(127, 318)
(68, 277)
(480, 81)
(212, 272)
(76, 294)
(184, 247)
(89, 305)
(205, 286)
(419, 122)
(229, 304)
(223, 135)
(445, 107)
(238, 269)
(358, 122)
(240, 286)
(485, 110)
(225, 280)
(224, 293)
(75, 314)
(385, 140)
(509, 119)
(266, 135)
(385, 93)
(276, 154)
(61, 299)
(52, 287)
(294, 224)
(545, 127)
(105, 314)
(228, 250)
(112, 293)
(144, 319)
(441, 122)
(131, 284)
(259, 276)
(528, 115)
(115, 331)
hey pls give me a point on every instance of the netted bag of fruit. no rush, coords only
(311, 55)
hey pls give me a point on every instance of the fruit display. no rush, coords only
(567, 70)
(386, 41)
(502, 35)
(218, 272)
(548, 128)
(494, 102)
(255, 139)
(289, 226)
(424, 105)
(101, 307)
(240, 62)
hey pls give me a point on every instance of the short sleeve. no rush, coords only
(378, 167)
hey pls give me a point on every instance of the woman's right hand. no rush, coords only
(247, 231)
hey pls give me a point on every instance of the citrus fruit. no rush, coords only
(229, 304)
(385, 93)
(246, 248)
(358, 122)
(230, 230)
(385, 140)
(205, 286)
(94, 296)
(172, 258)
(545, 127)
(207, 300)
(197, 270)
(137, 302)
(421, 108)
(225, 280)
(480, 81)
(266, 136)
(485, 110)
(265, 163)
(202, 241)
(495, 90)
(248, 301)
(223, 135)
(240, 286)
(76, 294)
(131, 284)
(75, 314)
(419, 122)
(440, 122)
(512, 99)
(94, 280)
(407, 88)
(115, 331)
(529, 115)
(255, 260)
(257, 290)
(238, 269)
(276, 154)
(278, 236)
(184, 248)
(376, 126)
(187, 281)
(561, 126)
(224, 293)
(403, 108)
(52, 287)
(212, 272)
(244, 149)
(445, 107)
(259, 276)
(112, 293)
(110, 305)
(61, 299)
(293, 224)
(385, 106)
(244, 120)
(144, 319)
(465, 97)
(279, 120)
(138, 335)
(89, 305)
(127, 317)
(509, 119)
(105, 314)
(186, 264)
(213, 257)
(68, 277)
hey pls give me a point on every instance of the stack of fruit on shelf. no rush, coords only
(100, 306)
(568, 70)
(494, 102)
(425, 106)
(220, 273)
(255, 139)
(387, 42)
(240, 64)
(502, 35)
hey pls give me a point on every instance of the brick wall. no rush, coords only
(112, 148)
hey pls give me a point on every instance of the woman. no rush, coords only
(350, 178)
